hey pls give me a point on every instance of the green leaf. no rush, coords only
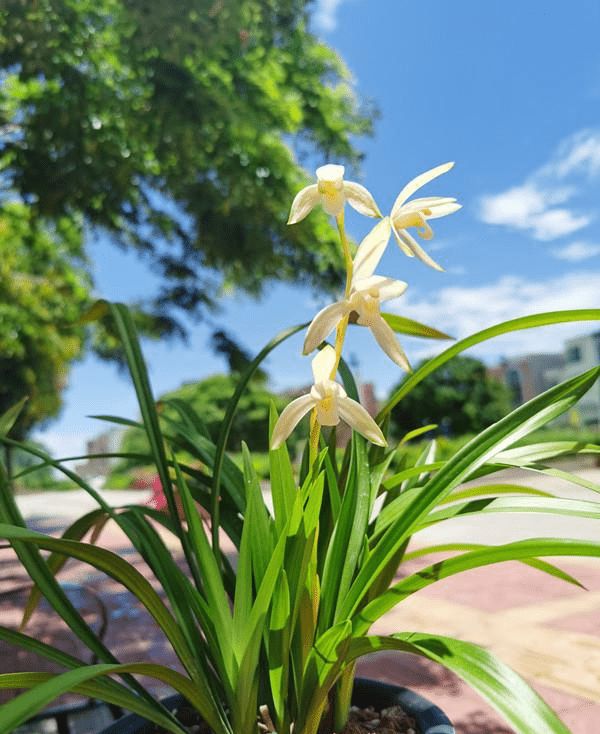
(262, 529)
(118, 421)
(9, 417)
(525, 322)
(535, 452)
(346, 544)
(116, 568)
(549, 471)
(402, 325)
(536, 563)
(38, 571)
(108, 690)
(56, 561)
(551, 505)
(50, 686)
(415, 433)
(48, 460)
(283, 485)
(504, 689)
(189, 416)
(515, 426)
(323, 667)
(485, 490)
(413, 471)
(232, 406)
(484, 556)
(141, 383)
(425, 459)
(278, 646)
(95, 312)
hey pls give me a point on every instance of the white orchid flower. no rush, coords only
(415, 213)
(332, 191)
(330, 402)
(367, 291)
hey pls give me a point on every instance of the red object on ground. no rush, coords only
(158, 501)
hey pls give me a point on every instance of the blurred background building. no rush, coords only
(529, 375)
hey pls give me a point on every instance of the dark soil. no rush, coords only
(393, 720)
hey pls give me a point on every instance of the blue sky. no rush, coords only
(511, 92)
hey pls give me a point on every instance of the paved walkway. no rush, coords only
(546, 629)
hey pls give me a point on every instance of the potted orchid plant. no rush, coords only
(270, 642)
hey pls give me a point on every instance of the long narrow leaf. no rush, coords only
(402, 325)
(56, 561)
(522, 549)
(478, 451)
(141, 383)
(536, 563)
(107, 690)
(525, 322)
(552, 505)
(50, 686)
(9, 417)
(227, 422)
(504, 689)
(117, 568)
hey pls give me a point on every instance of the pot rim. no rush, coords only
(367, 691)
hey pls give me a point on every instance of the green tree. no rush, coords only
(43, 292)
(176, 129)
(460, 398)
(209, 398)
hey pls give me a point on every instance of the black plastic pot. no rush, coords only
(430, 719)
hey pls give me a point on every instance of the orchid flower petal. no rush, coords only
(401, 243)
(428, 202)
(361, 199)
(358, 418)
(304, 202)
(387, 340)
(333, 203)
(331, 172)
(405, 240)
(417, 183)
(387, 288)
(442, 210)
(323, 324)
(291, 415)
(423, 228)
(371, 249)
(323, 364)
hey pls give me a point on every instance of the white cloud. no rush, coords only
(578, 154)
(577, 251)
(537, 205)
(462, 311)
(325, 16)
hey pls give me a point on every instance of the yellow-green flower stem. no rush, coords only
(315, 431)
(345, 684)
(340, 333)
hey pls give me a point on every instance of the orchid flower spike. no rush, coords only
(331, 404)
(366, 293)
(332, 191)
(415, 213)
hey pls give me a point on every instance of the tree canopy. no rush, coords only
(460, 398)
(43, 291)
(176, 129)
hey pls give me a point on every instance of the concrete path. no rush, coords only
(70, 505)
